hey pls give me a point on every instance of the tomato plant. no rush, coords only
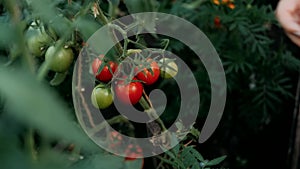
(149, 75)
(61, 61)
(128, 93)
(107, 70)
(255, 55)
(101, 97)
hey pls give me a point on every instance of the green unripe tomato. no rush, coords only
(101, 97)
(61, 61)
(168, 68)
(37, 41)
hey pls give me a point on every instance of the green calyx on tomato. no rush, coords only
(101, 97)
(130, 93)
(168, 68)
(149, 75)
(61, 61)
(107, 69)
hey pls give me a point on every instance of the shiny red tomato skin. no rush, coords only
(147, 76)
(105, 75)
(132, 90)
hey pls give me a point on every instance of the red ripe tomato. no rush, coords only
(105, 75)
(217, 22)
(132, 152)
(147, 76)
(132, 90)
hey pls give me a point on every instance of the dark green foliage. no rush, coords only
(37, 118)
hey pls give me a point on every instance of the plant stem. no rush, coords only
(102, 17)
(105, 21)
(144, 103)
(151, 112)
(114, 120)
(30, 144)
(167, 44)
(137, 44)
(124, 34)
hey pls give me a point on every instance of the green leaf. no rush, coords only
(196, 166)
(197, 154)
(176, 163)
(145, 21)
(36, 105)
(86, 31)
(47, 11)
(176, 149)
(187, 157)
(7, 34)
(171, 154)
(103, 161)
(10, 151)
(216, 161)
(58, 78)
(50, 158)
(136, 6)
(166, 160)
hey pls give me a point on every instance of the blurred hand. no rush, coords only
(288, 14)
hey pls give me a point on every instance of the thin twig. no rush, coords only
(114, 120)
(30, 144)
(105, 21)
(148, 99)
(79, 87)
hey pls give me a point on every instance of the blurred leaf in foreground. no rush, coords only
(36, 105)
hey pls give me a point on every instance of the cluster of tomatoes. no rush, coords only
(43, 43)
(127, 91)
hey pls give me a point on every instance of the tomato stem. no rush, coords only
(105, 21)
(137, 44)
(148, 108)
(124, 34)
(148, 99)
(167, 44)
(144, 103)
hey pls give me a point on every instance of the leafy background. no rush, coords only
(261, 67)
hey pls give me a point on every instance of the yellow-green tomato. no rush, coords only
(61, 61)
(101, 97)
(168, 68)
